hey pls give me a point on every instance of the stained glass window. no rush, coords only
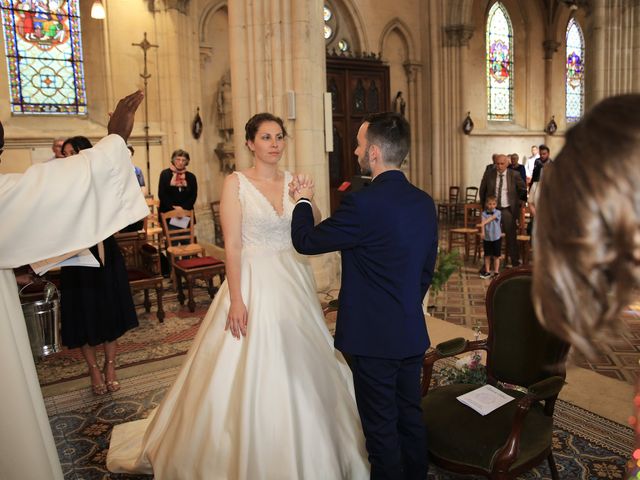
(574, 86)
(337, 37)
(327, 13)
(499, 64)
(329, 23)
(44, 56)
(328, 32)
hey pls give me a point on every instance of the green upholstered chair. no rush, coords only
(523, 360)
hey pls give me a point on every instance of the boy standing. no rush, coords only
(491, 235)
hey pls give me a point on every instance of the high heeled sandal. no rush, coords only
(113, 385)
(97, 388)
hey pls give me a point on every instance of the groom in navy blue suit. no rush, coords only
(388, 236)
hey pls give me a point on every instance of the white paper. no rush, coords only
(485, 399)
(84, 258)
(180, 222)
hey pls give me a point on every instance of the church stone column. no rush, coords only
(277, 54)
(613, 49)
(550, 47)
(418, 173)
(451, 29)
(178, 98)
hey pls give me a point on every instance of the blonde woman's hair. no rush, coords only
(587, 232)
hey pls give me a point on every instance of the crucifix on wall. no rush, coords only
(145, 45)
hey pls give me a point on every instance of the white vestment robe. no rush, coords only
(51, 209)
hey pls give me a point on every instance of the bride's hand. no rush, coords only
(293, 188)
(237, 319)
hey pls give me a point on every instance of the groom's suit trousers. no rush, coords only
(388, 397)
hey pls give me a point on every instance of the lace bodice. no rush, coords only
(262, 227)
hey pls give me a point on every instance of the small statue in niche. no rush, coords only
(399, 105)
(224, 150)
(196, 125)
(224, 107)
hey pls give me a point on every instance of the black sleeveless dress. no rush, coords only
(96, 303)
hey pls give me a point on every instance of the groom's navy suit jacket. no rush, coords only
(388, 236)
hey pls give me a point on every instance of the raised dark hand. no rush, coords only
(121, 121)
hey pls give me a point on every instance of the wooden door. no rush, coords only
(358, 87)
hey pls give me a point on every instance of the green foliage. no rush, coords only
(474, 376)
(446, 264)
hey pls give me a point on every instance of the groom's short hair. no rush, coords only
(390, 131)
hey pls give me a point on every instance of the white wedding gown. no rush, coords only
(277, 404)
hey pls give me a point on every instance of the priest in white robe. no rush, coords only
(51, 209)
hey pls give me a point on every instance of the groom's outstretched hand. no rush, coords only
(301, 186)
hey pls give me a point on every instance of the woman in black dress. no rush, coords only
(177, 188)
(96, 303)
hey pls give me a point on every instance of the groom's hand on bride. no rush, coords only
(301, 187)
(237, 319)
(293, 189)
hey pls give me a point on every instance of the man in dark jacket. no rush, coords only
(387, 234)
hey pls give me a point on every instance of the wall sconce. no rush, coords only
(97, 10)
(196, 125)
(551, 126)
(467, 125)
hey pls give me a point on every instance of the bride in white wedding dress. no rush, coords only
(262, 394)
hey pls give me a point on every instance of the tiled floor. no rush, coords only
(462, 302)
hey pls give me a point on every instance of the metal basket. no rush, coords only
(42, 317)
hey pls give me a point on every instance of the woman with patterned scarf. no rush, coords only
(177, 188)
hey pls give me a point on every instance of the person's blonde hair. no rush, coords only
(586, 240)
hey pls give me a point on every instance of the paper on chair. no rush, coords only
(485, 399)
(180, 222)
(77, 258)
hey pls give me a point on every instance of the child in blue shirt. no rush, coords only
(491, 235)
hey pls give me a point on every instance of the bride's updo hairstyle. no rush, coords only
(252, 126)
(586, 240)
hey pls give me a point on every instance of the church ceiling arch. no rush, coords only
(209, 10)
(400, 28)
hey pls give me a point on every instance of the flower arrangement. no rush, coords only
(468, 369)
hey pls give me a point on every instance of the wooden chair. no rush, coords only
(152, 225)
(187, 258)
(143, 267)
(470, 196)
(524, 239)
(524, 361)
(448, 208)
(217, 225)
(469, 232)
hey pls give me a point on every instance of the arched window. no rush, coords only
(336, 36)
(574, 82)
(499, 64)
(44, 57)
